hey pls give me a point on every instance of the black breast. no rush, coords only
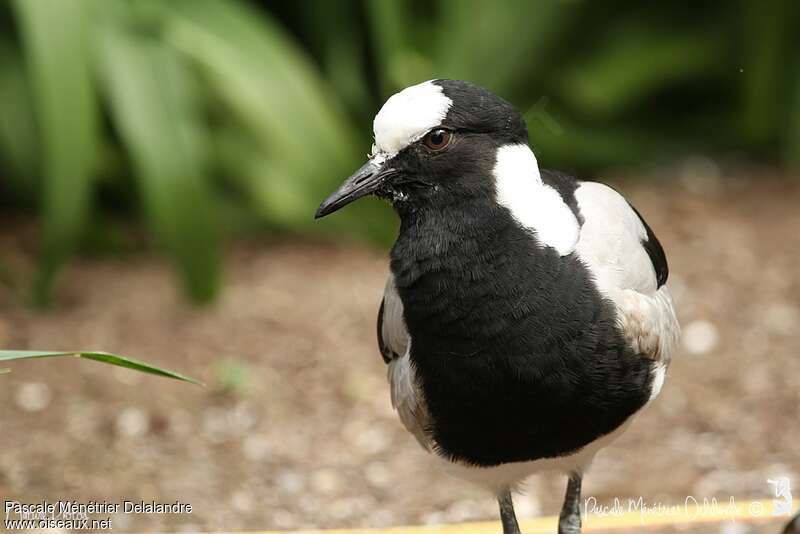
(518, 355)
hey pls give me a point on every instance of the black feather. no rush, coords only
(655, 251)
(518, 355)
(386, 353)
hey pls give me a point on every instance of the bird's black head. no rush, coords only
(435, 142)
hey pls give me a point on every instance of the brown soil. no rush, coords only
(295, 428)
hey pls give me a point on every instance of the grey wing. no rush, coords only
(630, 269)
(395, 343)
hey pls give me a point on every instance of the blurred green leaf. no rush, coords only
(768, 25)
(633, 64)
(7, 275)
(559, 140)
(342, 53)
(240, 157)
(19, 142)
(792, 145)
(105, 357)
(391, 30)
(305, 144)
(266, 80)
(233, 376)
(55, 35)
(497, 47)
(154, 110)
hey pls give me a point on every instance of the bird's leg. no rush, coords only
(507, 515)
(569, 520)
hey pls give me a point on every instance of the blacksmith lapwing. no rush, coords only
(526, 318)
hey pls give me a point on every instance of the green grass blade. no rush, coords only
(54, 34)
(105, 357)
(155, 112)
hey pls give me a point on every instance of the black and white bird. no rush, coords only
(526, 318)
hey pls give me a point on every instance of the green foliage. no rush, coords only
(212, 116)
(104, 357)
(64, 98)
(154, 108)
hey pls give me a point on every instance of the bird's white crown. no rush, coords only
(407, 116)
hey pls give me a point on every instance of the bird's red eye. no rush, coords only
(437, 139)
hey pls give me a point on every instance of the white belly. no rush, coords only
(503, 476)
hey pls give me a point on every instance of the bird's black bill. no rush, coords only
(364, 181)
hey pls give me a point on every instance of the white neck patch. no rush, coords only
(408, 115)
(534, 204)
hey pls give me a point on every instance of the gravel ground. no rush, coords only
(295, 428)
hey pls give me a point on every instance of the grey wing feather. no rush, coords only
(395, 344)
(619, 250)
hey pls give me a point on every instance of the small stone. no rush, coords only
(434, 518)
(242, 418)
(284, 519)
(382, 518)
(33, 396)
(782, 319)
(308, 503)
(463, 510)
(735, 528)
(132, 422)
(346, 508)
(256, 447)
(372, 440)
(242, 501)
(326, 481)
(215, 425)
(700, 337)
(290, 481)
(377, 474)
